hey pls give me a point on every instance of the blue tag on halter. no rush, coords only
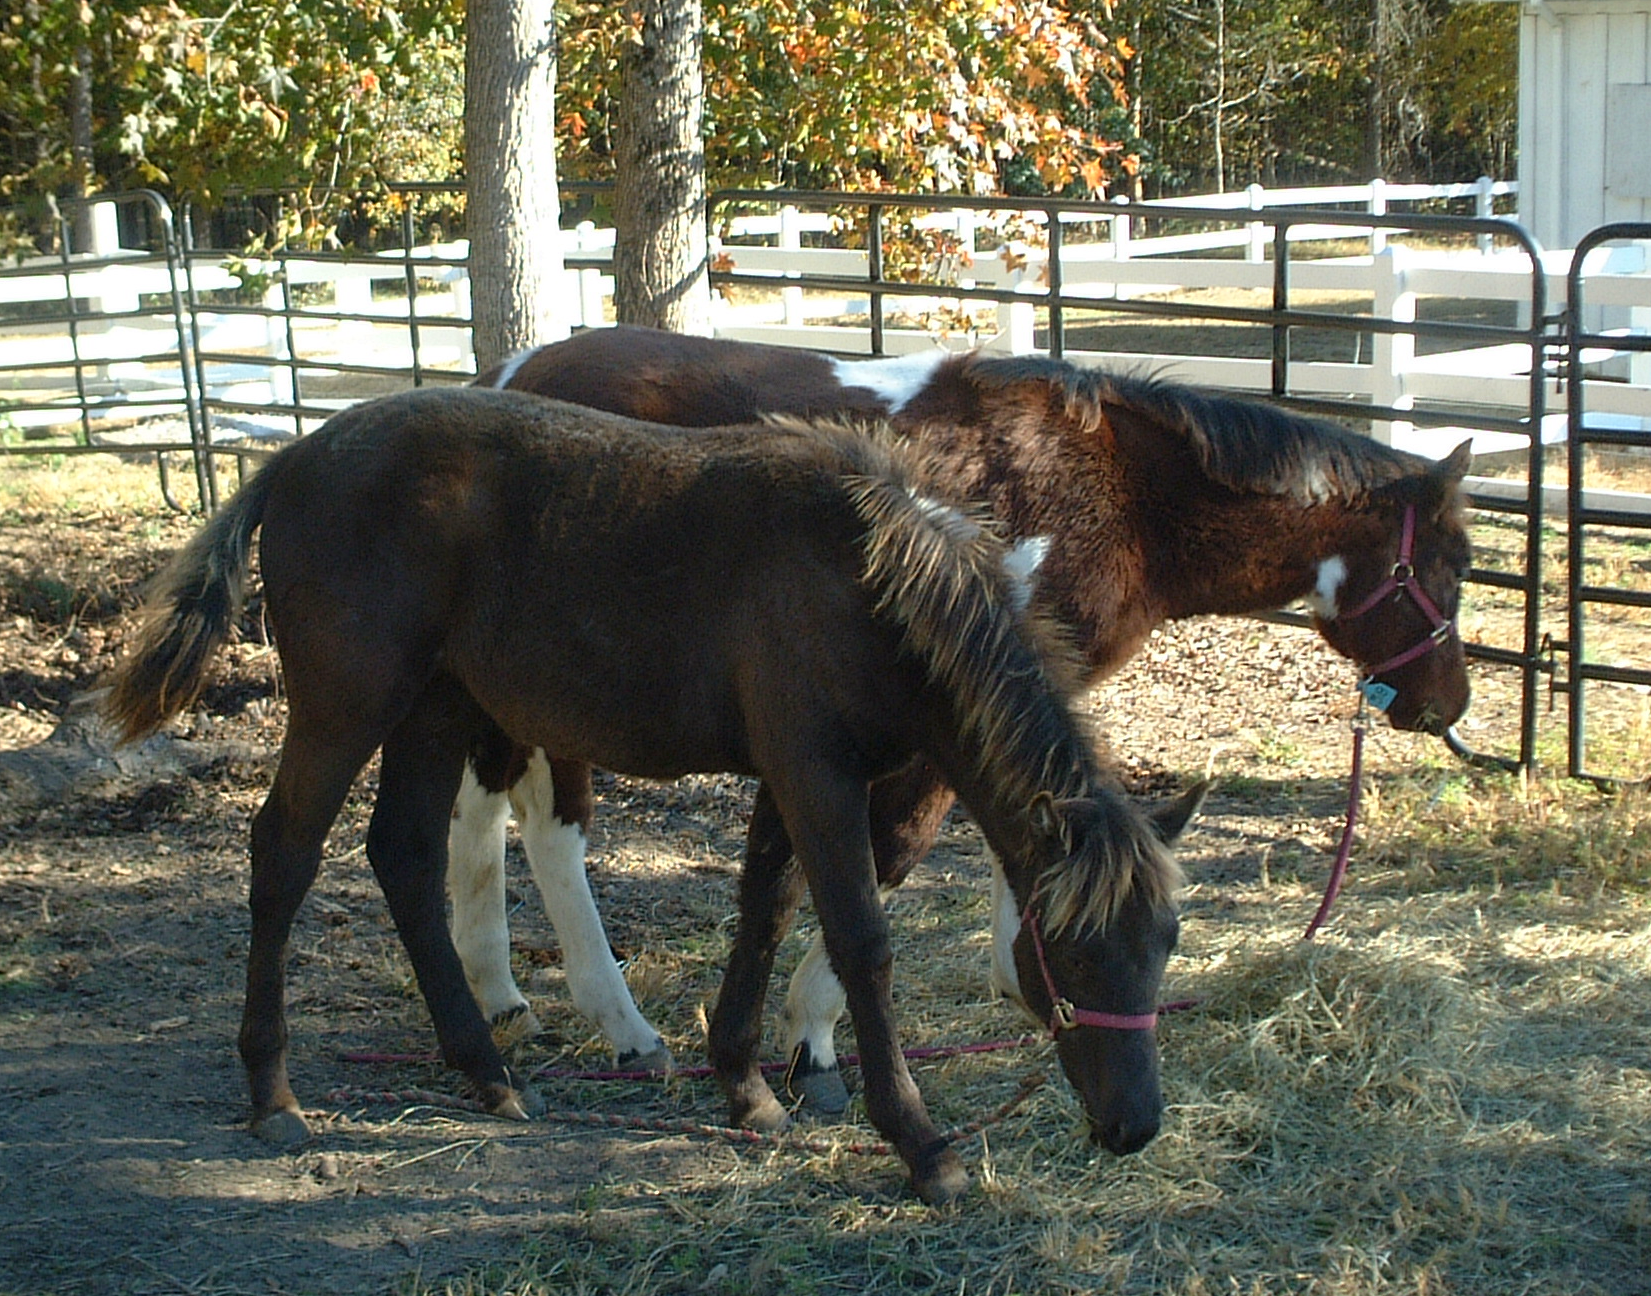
(1376, 693)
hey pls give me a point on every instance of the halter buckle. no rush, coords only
(1063, 1016)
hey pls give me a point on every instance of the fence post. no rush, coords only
(791, 240)
(282, 389)
(103, 230)
(1256, 252)
(590, 281)
(1483, 206)
(1378, 207)
(1123, 231)
(1392, 353)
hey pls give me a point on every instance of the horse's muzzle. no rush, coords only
(1123, 1137)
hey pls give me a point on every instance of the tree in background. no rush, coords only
(976, 96)
(659, 256)
(327, 99)
(1226, 92)
(230, 95)
(513, 210)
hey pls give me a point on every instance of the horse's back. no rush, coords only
(683, 380)
(605, 589)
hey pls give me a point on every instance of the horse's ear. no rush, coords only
(1046, 824)
(1454, 466)
(1170, 818)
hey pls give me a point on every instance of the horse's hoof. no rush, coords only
(513, 1026)
(767, 1116)
(512, 1104)
(820, 1091)
(657, 1060)
(945, 1181)
(282, 1128)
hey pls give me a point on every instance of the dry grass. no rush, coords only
(1448, 1092)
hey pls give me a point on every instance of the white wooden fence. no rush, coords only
(338, 318)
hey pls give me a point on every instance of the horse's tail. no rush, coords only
(190, 612)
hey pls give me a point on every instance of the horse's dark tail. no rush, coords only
(190, 612)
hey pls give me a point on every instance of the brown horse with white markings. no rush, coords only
(1155, 502)
(789, 603)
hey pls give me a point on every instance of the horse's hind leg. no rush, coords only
(481, 933)
(288, 833)
(553, 807)
(771, 887)
(419, 775)
(907, 809)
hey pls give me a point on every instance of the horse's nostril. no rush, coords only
(1121, 1137)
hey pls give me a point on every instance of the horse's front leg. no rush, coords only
(553, 806)
(828, 825)
(907, 809)
(770, 889)
(419, 773)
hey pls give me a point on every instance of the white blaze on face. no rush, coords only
(1325, 594)
(895, 380)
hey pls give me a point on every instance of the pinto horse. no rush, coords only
(789, 603)
(1155, 502)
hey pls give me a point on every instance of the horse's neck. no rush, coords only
(1242, 553)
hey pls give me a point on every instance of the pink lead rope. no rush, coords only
(1401, 580)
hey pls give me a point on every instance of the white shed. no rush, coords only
(1584, 116)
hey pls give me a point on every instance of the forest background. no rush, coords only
(333, 99)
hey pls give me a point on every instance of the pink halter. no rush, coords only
(1064, 1015)
(1401, 580)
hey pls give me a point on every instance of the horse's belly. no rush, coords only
(645, 732)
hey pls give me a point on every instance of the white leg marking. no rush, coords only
(1326, 593)
(813, 1007)
(896, 380)
(475, 880)
(556, 852)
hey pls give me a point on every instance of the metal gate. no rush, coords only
(179, 301)
(1597, 518)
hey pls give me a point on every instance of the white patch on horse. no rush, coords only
(895, 380)
(1021, 565)
(556, 853)
(512, 365)
(475, 880)
(946, 518)
(1005, 927)
(813, 1006)
(1325, 594)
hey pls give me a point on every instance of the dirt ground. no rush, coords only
(124, 1161)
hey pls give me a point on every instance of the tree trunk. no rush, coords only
(513, 208)
(81, 177)
(659, 257)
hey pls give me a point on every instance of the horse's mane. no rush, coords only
(939, 573)
(1243, 444)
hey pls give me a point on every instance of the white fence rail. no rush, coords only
(328, 311)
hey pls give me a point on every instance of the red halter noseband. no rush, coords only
(1064, 1015)
(1401, 580)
